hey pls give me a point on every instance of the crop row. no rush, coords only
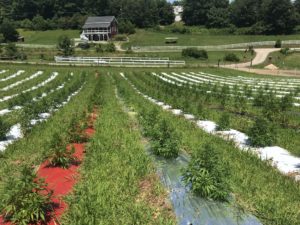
(255, 185)
(212, 106)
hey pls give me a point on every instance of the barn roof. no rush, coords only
(98, 22)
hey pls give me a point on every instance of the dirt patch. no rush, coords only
(155, 197)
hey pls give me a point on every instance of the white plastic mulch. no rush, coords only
(279, 157)
(52, 77)
(22, 81)
(15, 132)
(12, 76)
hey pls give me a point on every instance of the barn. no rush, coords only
(100, 28)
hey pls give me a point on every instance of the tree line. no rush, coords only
(47, 14)
(256, 16)
(246, 16)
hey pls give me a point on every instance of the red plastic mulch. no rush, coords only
(61, 181)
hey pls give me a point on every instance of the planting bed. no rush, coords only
(255, 185)
(125, 146)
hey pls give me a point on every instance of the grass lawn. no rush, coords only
(155, 38)
(290, 61)
(48, 37)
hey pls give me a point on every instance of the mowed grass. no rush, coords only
(290, 61)
(155, 38)
(48, 37)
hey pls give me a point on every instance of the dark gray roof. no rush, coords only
(98, 21)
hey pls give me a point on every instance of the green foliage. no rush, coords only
(27, 199)
(65, 45)
(99, 48)
(208, 175)
(126, 27)
(262, 133)
(278, 44)
(110, 47)
(4, 129)
(231, 57)
(63, 157)
(39, 23)
(7, 29)
(224, 122)
(195, 53)
(165, 140)
(285, 51)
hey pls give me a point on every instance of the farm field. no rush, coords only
(111, 116)
(290, 61)
(48, 37)
(157, 38)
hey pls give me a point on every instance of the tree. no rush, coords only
(39, 23)
(245, 13)
(65, 45)
(279, 16)
(217, 18)
(195, 12)
(8, 31)
(166, 13)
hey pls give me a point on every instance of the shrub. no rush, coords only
(126, 27)
(65, 45)
(27, 199)
(231, 57)
(208, 174)
(278, 44)
(61, 156)
(284, 51)
(262, 133)
(224, 123)
(110, 47)
(165, 140)
(7, 29)
(4, 129)
(195, 53)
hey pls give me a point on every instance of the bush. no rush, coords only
(262, 133)
(195, 53)
(27, 199)
(165, 140)
(110, 47)
(4, 129)
(62, 157)
(224, 123)
(208, 174)
(65, 45)
(285, 51)
(278, 44)
(126, 27)
(7, 29)
(231, 57)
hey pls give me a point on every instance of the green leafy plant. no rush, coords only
(63, 158)
(278, 44)
(208, 175)
(165, 140)
(4, 128)
(262, 133)
(195, 53)
(27, 199)
(231, 57)
(224, 122)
